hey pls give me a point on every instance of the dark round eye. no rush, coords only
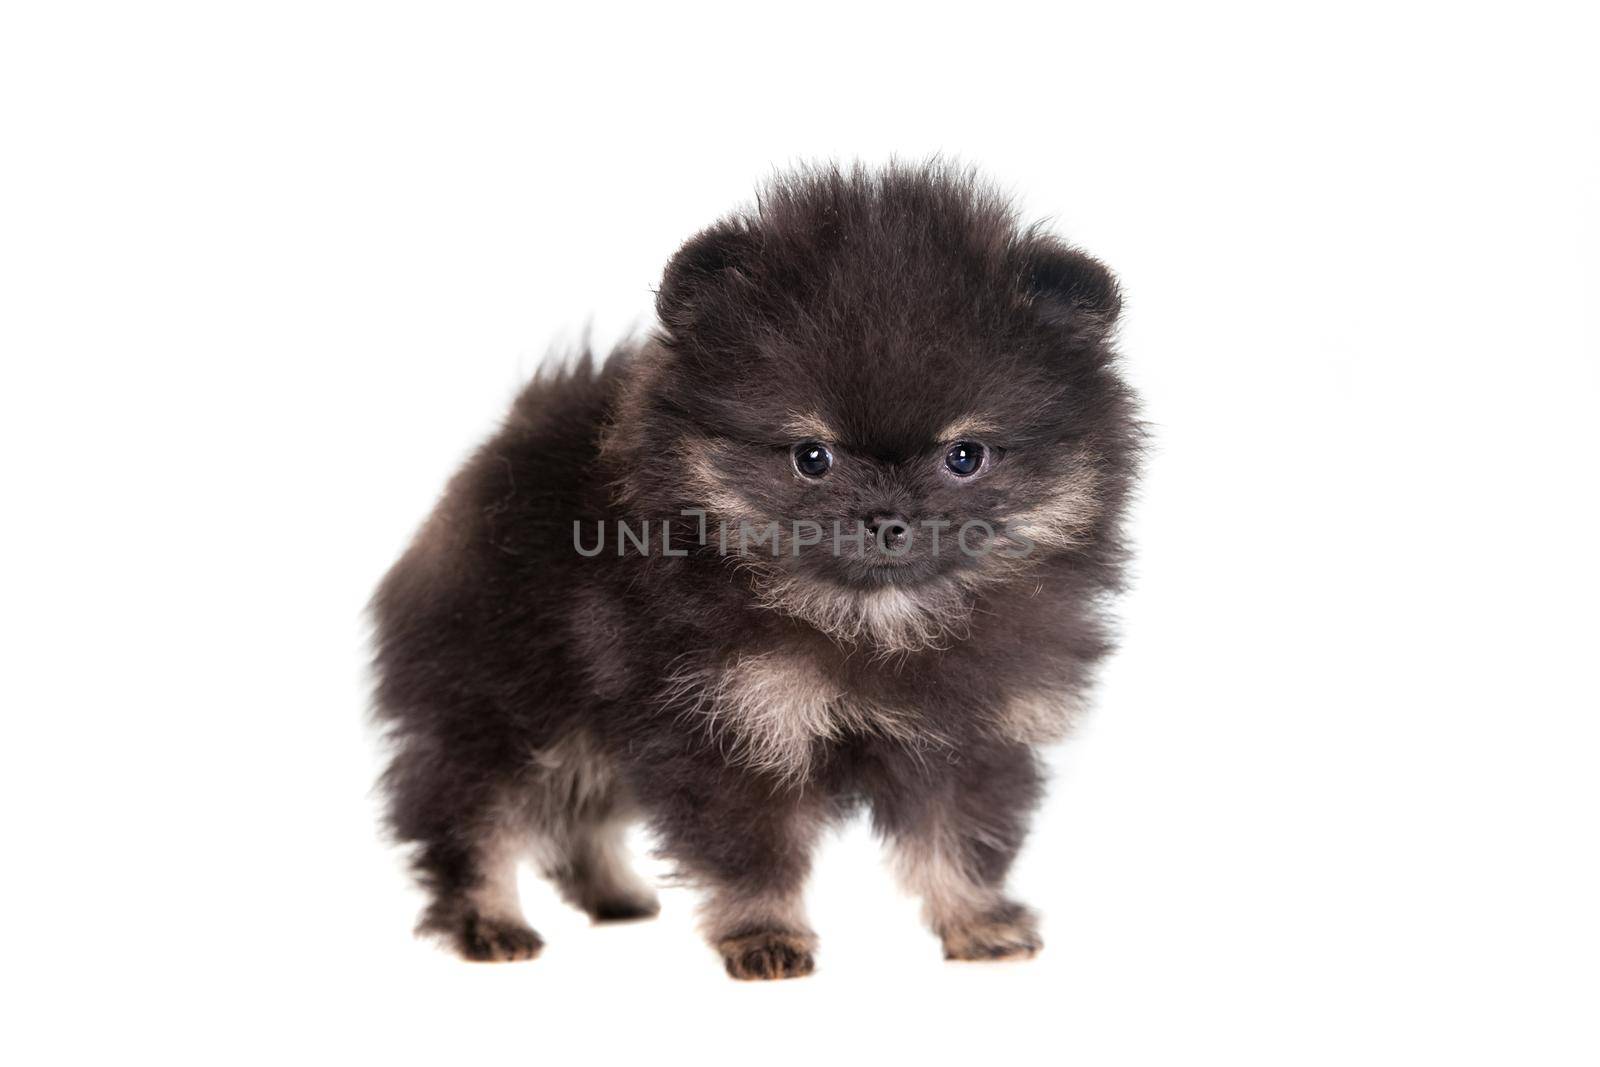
(812, 459)
(964, 458)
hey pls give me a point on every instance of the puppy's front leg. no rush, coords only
(761, 931)
(750, 848)
(954, 831)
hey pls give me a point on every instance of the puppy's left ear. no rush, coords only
(700, 272)
(1071, 289)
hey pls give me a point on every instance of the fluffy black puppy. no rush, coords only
(840, 532)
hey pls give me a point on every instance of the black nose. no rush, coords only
(890, 531)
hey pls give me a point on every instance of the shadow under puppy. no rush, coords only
(838, 533)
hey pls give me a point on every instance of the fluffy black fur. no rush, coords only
(539, 698)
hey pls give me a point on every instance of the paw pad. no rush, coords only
(768, 955)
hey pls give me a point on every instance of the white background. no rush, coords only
(268, 271)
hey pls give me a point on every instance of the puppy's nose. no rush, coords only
(890, 531)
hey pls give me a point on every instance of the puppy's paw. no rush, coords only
(628, 907)
(485, 940)
(1009, 932)
(766, 955)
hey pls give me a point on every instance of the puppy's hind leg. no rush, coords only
(466, 844)
(475, 907)
(580, 815)
(592, 871)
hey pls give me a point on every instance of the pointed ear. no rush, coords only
(1070, 288)
(706, 262)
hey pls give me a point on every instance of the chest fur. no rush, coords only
(771, 710)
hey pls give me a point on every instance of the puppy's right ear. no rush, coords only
(707, 263)
(1070, 288)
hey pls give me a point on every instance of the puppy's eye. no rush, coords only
(964, 458)
(812, 459)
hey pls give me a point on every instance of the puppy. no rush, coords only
(838, 534)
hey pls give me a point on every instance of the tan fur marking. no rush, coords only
(808, 426)
(768, 955)
(1004, 935)
(973, 921)
(597, 875)
(1039, 716)
(929, 867)
(775, 706)
(1063, 519)
(578, 823)
(570, 822)
(496, 896)
(714, 491)
(966, 427)
(760, 935)
(892, 619)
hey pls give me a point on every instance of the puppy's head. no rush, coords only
(888, 395)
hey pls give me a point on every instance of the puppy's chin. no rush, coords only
(889, 614)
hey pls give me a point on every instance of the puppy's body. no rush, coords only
(539, 697)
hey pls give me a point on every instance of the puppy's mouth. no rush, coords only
(888, 570)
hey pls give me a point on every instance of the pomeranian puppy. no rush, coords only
(838, 534)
